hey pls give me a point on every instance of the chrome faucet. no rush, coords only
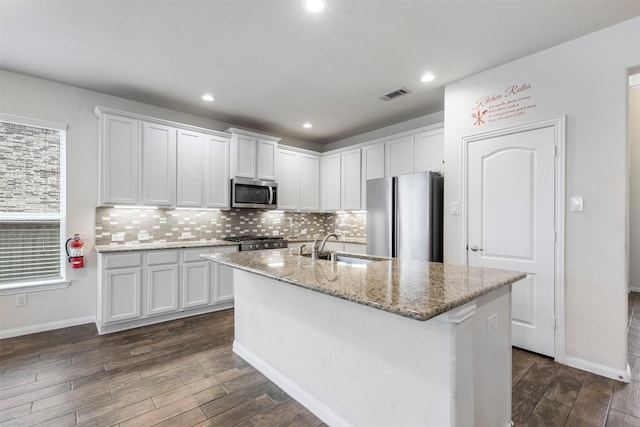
(324, 241)
(300, 249)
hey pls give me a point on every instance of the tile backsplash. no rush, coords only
(170, 225)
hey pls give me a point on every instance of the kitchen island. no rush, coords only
(392, 342)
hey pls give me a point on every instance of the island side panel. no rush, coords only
(351, 364)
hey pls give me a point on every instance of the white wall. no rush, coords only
(634, 188)
(586, 80)
(41, 99)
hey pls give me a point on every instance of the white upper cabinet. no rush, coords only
(152, 162)
(190, 170)
(330, 182)
(429, 148)
(216, 172)
(298, 181)
(309, 182)
(350, 180)
(119, 160)
(288, 180)
(253, 155)
(202, 177)
(417, 152)
(158, 165)
(372, 167)
(399, 156)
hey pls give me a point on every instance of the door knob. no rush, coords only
(475, 248)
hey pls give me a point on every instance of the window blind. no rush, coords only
(29, 251)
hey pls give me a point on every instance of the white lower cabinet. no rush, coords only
(144, 287)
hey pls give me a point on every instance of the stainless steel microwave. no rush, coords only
(249, 193)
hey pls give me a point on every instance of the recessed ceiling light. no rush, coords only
(315, 6)
(428, 77)
(307, 125)
(208, 97)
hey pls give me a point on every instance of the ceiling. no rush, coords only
(272, 65)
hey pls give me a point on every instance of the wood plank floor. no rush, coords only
(183, 373)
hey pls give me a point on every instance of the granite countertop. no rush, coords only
(127, 247)
(359, 240)
(416, 289)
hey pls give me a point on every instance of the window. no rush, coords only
(32, 208)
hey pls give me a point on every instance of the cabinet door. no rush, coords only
(119, 160)
(122, 294)
(267, 159)
(429, 151)
(309, 182)
(158, 165)
(162, 289)
(288, 180)
(244, 156)
(399, 156)
(330, 182)
(372, 167)
(195, 283)
(216, 172)
(190, 152)
(350, 180)
(223, 278)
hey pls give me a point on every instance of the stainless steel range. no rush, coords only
(256, 243)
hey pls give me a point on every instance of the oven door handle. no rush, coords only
(270, 195)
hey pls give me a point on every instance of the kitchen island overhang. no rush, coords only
(390, 343)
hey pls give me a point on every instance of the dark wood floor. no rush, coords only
(183, 373)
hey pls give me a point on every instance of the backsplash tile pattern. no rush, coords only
(168, 225)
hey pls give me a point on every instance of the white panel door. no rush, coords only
(399, 156)
(216, 173)
(511, 226)
(190, 169)
(429, 148)
(119, 168)
(196, 283)
(351, 180)
(288, 180)
(309, 182)
(267, 164)
(158, 165)
(162, 289)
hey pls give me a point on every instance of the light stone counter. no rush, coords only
(127, 247)
(415, 289)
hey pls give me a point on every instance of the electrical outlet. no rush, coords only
(186, 235)
(143, 236)
(492, 323)
(21, 300)
(117, 237)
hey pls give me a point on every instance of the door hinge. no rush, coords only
(554, 322)
(555, 151)
(554, 236)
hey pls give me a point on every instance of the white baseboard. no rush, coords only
(595, 368)
(43, 327)
(634, 289)
(319, 409)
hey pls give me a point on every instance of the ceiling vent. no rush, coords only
(395, 94)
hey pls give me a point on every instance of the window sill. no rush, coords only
(19, 288)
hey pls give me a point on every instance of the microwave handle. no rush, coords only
(270, 195)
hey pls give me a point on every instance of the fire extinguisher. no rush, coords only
(74, 255)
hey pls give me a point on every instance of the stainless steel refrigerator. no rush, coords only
(404, 216)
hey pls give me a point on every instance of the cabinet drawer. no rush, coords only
(155, 258)
(122, 261)
(194, 254)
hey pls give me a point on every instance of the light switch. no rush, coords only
(455, 208)
(577, 204)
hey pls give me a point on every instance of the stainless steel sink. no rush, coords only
(353, 260)
(349, 258)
